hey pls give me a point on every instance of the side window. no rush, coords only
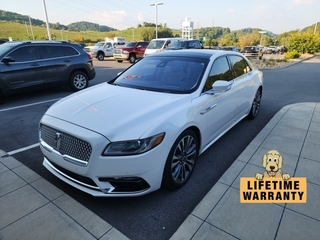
(70, 51)
(25, 54)
(197, 44)
(191, 44)
(239, 66)
(51, 52)
(220, 71)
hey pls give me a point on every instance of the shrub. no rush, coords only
(291, 55)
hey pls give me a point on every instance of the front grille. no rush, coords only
(66, 144)
(118, 51)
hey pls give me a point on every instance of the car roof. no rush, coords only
(38, 42)
(196, 53)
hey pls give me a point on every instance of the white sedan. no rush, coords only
(146, 128)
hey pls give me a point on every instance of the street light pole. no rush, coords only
(156, 13)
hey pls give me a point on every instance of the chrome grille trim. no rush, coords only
(74, 149)
(70, 178)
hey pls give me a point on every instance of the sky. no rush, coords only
(276, 16)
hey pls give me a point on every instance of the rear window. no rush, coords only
(70, 51)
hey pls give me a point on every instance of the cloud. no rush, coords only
(229, 11)
(298, 2)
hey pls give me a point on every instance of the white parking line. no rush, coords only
(23, 149)
(28, 105)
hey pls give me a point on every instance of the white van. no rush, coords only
(158, 44)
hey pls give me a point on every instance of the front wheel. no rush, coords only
(100, 56)
(181, 160)
(132, 58)
(78, 81)
(255, 105)
(119, 61)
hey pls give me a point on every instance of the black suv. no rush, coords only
(29, 64)
(186, 44)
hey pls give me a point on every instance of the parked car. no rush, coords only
(230, 48)
(186, 44)
(215, 48)
(159, 44)
(130, 51)
(272, 50)
(146, 128)
(28, 64)
(252, 52)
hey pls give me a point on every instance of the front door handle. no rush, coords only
(208, 109)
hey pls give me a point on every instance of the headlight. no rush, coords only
(131, 147)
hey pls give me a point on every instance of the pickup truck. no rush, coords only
(130, 51)
(101, 50)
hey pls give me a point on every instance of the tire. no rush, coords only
(132, 58)
(78, 81)
(255, 105)
(181, 160)
(119, 61)
(100, 56)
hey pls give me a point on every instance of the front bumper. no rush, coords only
(105, 176)
(121, 56)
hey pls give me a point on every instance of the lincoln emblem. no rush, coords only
(57, 140)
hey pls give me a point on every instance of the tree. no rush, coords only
(304, 42)
(147, 34)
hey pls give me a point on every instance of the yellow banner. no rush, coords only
(274, 190)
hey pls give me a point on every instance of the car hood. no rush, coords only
(117, 112)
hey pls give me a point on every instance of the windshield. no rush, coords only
(156, 44)
(179, 44)
(5, 47)
(130, 44)
(164, 74)
(99, 44)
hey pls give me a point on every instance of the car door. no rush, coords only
(140, 49)
(243, 83)
(24, 69)
(56, 64)
(219, 108)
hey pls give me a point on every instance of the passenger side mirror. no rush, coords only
(219, 86)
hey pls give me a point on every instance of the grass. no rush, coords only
(19, 31)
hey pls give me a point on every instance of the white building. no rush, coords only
(187, 29)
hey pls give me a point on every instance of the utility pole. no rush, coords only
(25, 23)
(315, 28)
(47, 21)
(31, 27)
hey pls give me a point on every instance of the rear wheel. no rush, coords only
(181, 160)
(100, 56)
(255, 105)
(119, 61)
(78, 81)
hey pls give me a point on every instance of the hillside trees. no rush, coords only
(304, 42)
